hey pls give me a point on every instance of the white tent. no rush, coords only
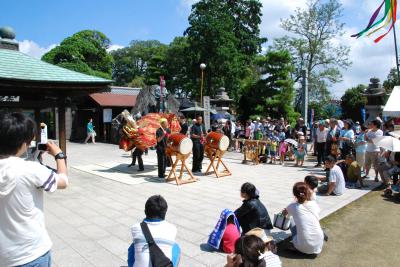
(392, 107)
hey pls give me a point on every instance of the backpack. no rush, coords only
(157, 256)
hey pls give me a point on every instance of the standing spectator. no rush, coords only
(24, 240)
(91, 133)
(197, 135)
(335, 179)
(307, 234)
(346, 139)
(163, 233)
(301, 127)
(248, 130)
(252, 213)
(322, 134)
(332, 137)
(162, 134)
(372, 151)
(361, 147)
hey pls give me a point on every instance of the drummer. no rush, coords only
(197, 134)
(162, 134)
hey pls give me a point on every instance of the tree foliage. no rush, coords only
(353, 101)
(391, 81)
(225, 36)
(313, 47)
(139, 59)
(85, 52)
(274, 94)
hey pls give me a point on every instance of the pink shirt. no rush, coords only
(229, 238)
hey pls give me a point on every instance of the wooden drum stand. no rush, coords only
(215, 147)
(177, 145)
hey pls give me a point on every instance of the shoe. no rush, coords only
(325, 236)
(376, 179)
(318, 165)
(162, 177)
(140, 170)
(132, 164)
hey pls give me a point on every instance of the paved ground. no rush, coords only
(363, 234)
(89, 222)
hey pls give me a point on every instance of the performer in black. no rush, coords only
(137, 154)
(184, 125)
(197, 134)
(162, 135)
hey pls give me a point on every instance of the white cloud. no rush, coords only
(369, 59)
(33, 49)
(114, 47)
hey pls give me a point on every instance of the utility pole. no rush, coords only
(304, 88)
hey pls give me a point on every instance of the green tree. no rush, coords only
(391, 81)
(85, 51)
(135, 60)
(312, 48)
(274, 94)
(353, 101)
(225, 36)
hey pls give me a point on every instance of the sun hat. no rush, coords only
(261, 234)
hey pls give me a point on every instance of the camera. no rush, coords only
(42, 146)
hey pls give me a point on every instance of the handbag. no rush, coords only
(281, 221)
(157, 256)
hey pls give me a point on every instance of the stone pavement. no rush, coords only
(90, 221)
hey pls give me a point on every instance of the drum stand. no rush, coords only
(180, 158)
(216, 155)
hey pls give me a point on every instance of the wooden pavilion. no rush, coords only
(29, 83)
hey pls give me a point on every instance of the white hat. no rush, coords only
(261, 234)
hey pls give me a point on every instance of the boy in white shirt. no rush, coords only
(24, 240)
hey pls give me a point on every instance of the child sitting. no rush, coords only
(225, 232)
(230, 236)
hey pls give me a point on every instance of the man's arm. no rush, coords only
(53, 149)
(331, 187)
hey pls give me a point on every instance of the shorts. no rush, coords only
(360, 158)
(272, 153)
(371, 158)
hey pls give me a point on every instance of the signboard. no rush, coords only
(107, 115)
(9, 98)
(207, 107)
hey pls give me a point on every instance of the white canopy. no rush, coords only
(392, 108)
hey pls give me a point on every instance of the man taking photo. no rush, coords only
(24, 238)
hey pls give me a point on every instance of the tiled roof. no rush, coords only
(15, 65)
(114, 100)
(119, 90)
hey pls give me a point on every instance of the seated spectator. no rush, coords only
(307, 234)
(249, 252)
(225, 233)
(270, 257)
(252, 213)
(335, 181)
(24, 240)
(163, 233)
(312, 183)
(353, 172)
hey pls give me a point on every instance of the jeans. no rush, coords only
(293, 230)
(42, 261)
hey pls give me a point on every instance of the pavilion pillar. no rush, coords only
(61, 128)
(37, 121)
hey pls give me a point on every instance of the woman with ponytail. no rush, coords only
(307, 234)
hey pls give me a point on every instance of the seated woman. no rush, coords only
(271, 259)
(307, 234)
(249, 252)
(252, 213)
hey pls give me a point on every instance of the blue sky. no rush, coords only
(42, 24)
